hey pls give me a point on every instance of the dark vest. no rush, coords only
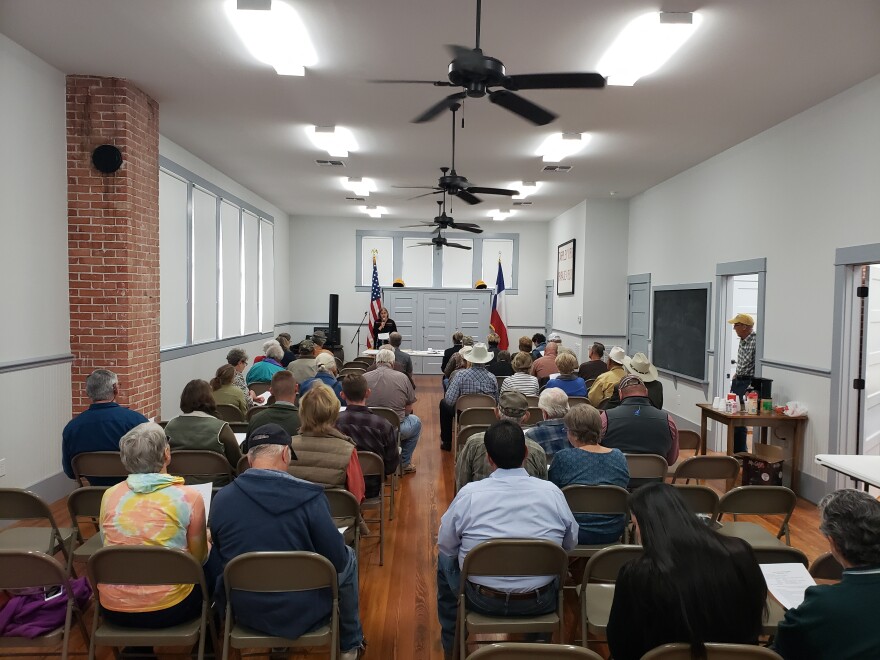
(637, 427)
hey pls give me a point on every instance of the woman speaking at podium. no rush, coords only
(383, 326)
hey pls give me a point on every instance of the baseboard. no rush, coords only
(52, 489)
(683, 424)
(812, 488)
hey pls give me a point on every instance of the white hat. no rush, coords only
(554, 336)
(640, 366)
(479, 355)
(325, 360)
(617, 354)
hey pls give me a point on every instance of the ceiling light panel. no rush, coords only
(337, 141)
(276, 37)
(645, 45)
(526, 188)
(360, 186)
(562, 145)
(373, 211)
(499, 215)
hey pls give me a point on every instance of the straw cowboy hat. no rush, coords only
(479, 355)
(640, 366)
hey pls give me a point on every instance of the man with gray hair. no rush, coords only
(100, 427)
(403, 359)
(838, 622)
(472, 463)
(393, 389)
(551, 433)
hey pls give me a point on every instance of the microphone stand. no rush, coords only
(357, 334)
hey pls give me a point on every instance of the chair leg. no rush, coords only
(381, 532)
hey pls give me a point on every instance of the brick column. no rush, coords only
(113, 239)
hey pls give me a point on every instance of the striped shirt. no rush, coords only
(521, 382)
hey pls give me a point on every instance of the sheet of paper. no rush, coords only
(383, 336)
(240, 438)
(787, 583)
(342, 529)
(205, 492)
(263, 398)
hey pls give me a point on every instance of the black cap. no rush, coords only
(270, 434)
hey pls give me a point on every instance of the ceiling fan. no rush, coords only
(443, 221)
(453, 183)
(477, 73)
(440, 241)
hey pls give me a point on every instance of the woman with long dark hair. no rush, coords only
(692, 584)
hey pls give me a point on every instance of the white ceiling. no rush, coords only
(752, 64)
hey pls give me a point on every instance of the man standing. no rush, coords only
(401, 358)
(100, 427)
(603, 387)
(283, 412)
(595, 366)
(507, 504)
(743, 326)
(304, 366)
(389, 388)
(550, 432)
(475, 379)
(266, 509)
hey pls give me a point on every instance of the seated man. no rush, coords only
(544, 367)
(304, 367)
(476, 379)
(389, 388)
(550, 433)
(509, 504)
(369, 431)
(472, 462)
(637, 427)
(319, 337)
(400, 357)
(267, 509)
(603, 386)
(595, 366)
(283, 412)
(837, 622)
(100, 426)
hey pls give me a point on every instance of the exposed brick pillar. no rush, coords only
(113, 234)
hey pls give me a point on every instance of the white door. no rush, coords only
(871, 355)
(549, 292)
(638, 313)
(743, 300)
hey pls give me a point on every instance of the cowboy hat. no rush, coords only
(479, 355)
(640, 366)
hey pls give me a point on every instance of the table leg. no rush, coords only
(730, 444)
(796, 450)
(703, 433)
(764, 431)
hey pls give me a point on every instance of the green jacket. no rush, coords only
(284, 414)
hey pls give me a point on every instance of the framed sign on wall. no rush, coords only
(565, 269)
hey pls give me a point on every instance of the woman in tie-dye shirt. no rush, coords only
(152, 508)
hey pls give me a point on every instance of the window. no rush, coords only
(384, 248)
(493, 251)
(418, 262)
(216, 261)
(458, 265)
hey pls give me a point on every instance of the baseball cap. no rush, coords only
(513, 404)
(554, 336)
(271, 434)
(325, 360)
(745, 319)
(306, 347)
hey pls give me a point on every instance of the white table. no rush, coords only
(424, 362)
(408, 351)
(860, 468)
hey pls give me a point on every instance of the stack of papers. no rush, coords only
(261, 399)
(787, 583)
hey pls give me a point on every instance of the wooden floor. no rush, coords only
(398, 600)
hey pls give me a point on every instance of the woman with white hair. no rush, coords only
(326, 367)
(263, 370)
(151, 507)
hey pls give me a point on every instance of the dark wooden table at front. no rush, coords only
(765, 421)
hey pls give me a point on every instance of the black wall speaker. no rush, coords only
(333, 321)
(107, 158)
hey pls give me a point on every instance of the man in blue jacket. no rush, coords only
(266, 509)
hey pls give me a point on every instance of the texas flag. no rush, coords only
(496, 321)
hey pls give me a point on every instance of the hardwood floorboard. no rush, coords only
(398, 600)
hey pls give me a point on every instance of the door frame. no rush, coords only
(549, 295)
(641, 278)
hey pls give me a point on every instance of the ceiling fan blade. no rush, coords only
(466, 196)
(415, 244)
(436, 83)
(555, 81)
(458, 245)
(466, 58)
(522, 107)
(427, 194)
(421, 224)
(437, 108)
(492, 191)
(417, 187)
(467, 226)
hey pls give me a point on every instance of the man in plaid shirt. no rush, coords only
(551, 433)
(743, 326)
(476, 379)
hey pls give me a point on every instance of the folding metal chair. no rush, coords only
(139, 565)
(532, 400)
(605, 499)
(243, 465)
(707, 467)
(713, 652)
(643, 467)
(229, 413)
(26, 569)
(597, 587)
(781, 554)
(482, 415)
(278, 572)
(535, 415)
(100, 464)
(500, 380)
(511, 558)
(758, 501)
(466, 401)
(826, 567)
(688, 441)
(258, 388)
(526, 651)
(18, 504)
(345, 511)
(85, 503)
(578, 401)
(200, 466)
(397, 475)
(700, 499)
(372, 465)
(346, 371)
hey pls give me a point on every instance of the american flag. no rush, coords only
(375, 303)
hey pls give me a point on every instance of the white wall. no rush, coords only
(792, 194)
(34, 403)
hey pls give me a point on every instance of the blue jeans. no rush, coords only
(410, 432)
(739, 386)
(351, 635)
(448, 580)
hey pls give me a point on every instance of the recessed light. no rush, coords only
(359, 185)
(526, 188)
(373, 211)
(645, 44)
(335, 140)
(498, 215)
(276, 37)
(561, 145)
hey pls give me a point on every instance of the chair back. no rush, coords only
(528, 650)
(371, 464)
(228, 413)
(761, 501)
(19, 504)
(689, 440)
(699, 499)
(826, 567)
(97, 464)
(515, 558)
(500, 380)
(707, 467)
(713, 652)
(344, 507)
(646, 466)
(535, 415)
(533, 400)
(466, 401)
(351, 371)
(481, 415)
(387, 414)
(465, 432)
(85, 503)
(238, 427)
(199, 465)
(243, 465)
(259, 388)
(275, 572)
(20, 569)
(605, 564)
(578, 401)
(144, 565)
(781, 554)
(596, 499)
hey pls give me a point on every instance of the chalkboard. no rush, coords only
(680, 335)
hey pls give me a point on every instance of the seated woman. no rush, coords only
(692, 585)
(152, 508)
(324, 455)
(263, 370)
(568, 381)
(326, 375)
(289, 355)
(590, 464)
(501, 366)
(238, 359)
(521, 381)
(225, 391)
(197, 428)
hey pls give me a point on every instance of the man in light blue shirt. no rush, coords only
(507, 504)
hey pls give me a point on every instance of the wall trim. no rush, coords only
(186, 351)
(35, 363)
(812, 488)
(51, 489)
(610, 335)
(744, 267)
(800, 368)
(683, 424)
